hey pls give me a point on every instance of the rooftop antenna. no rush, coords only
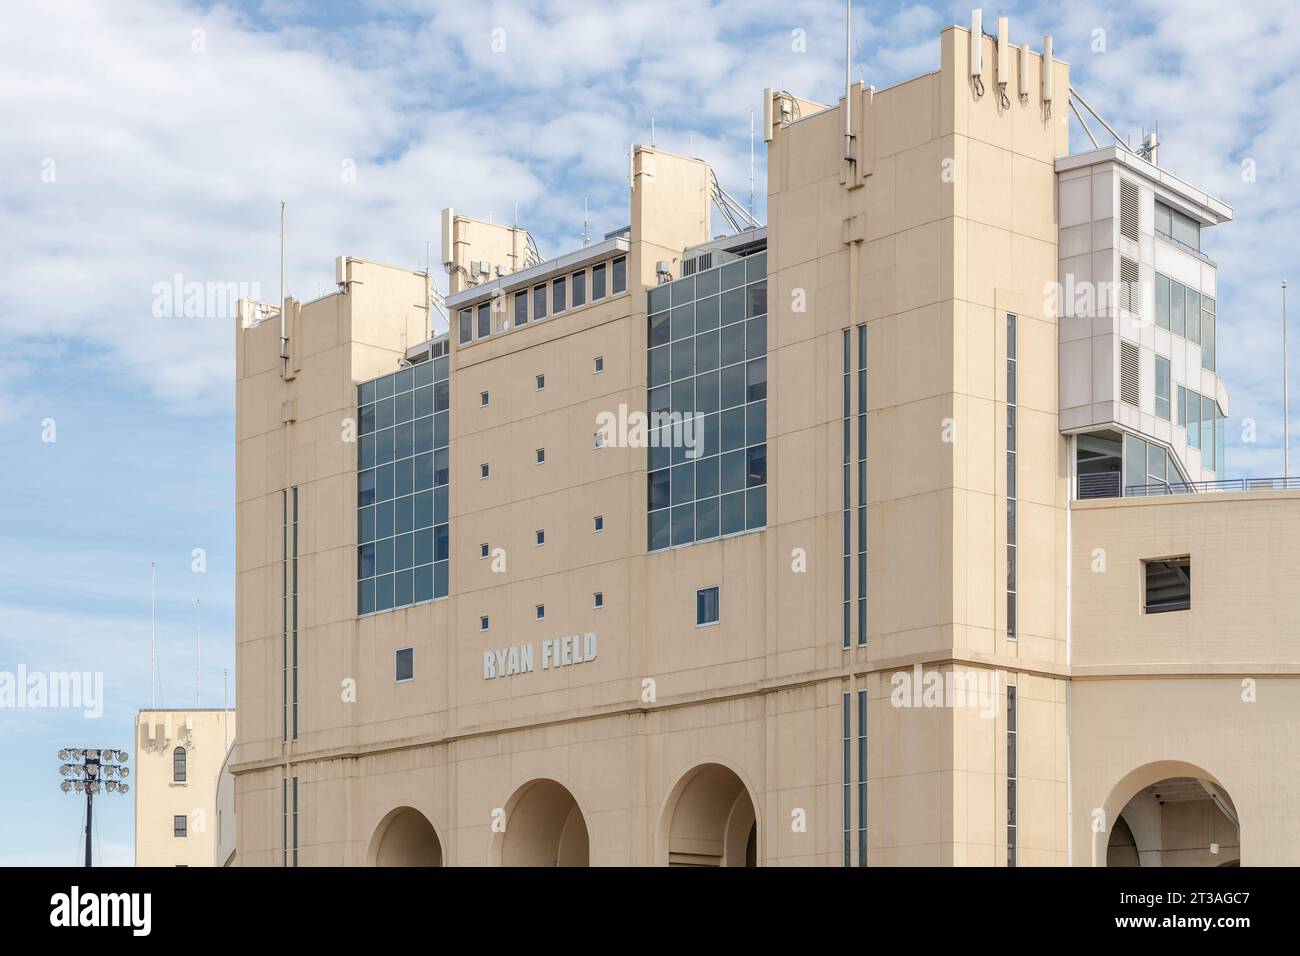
(848, 83)
(284, 340)
(586, 235)
(198, 670)
(153, 641)
(652, 131)
(1286, 424)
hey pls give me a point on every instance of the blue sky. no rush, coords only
(153, 139)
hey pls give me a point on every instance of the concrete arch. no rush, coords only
(710, 818)
(544, 826)
(405, 837)
(1131, 804)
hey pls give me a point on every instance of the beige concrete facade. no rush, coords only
(775, 736)
(179, 755)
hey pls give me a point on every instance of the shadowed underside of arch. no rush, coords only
(710, 820)
(545, 827)
(405, 838)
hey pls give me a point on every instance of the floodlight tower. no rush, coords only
(93, 771)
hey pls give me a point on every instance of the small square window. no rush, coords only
(483, 399)
(483, 623)
(483, 471)
(405, 665)
(483, 550)
(598, 523)
(599, 439)
(1167, 585)
(599, 599)
(541, 612)
(180, 825)
(541, 382)
(541, 536)
(541, 456)
(706, 606)
(598, 365)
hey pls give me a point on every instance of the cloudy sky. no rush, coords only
(148, 143)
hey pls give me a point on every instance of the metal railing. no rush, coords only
(1223, 484)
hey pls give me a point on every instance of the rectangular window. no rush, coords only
(1013, 776)
(707, 356)
(598, 365)
(559, 297)
(1208, 409)
(846, 495)
(862, 777)
(1192, 421)
(404, 467)
(483, 623)
(483, 399)
(1176, 307)
(539, 302)
(180, 825)
(598, 524)
(541, 612)
(620, 275)
(521, 308)
(706, 606)
(1012, 406)
(1167, 585)
(541, 456)
(466, 326)
(404, 665)
(284, 821)
(540, 382)
(293, 619)
(1192, 314)
(295, 821)
(483, 550)
(1164, 219)
(598, 599)
(284, 615)
(1162, 387)
(1162, 301)
(1207, 333)
(598, 281)
(483, 471)
(579, 288)
(846, 775)
(541, 536)
(862, 487)
(484, 320)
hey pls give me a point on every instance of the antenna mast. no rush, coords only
(153, 641)
(848, 84)
(198, 670)
(284, 341)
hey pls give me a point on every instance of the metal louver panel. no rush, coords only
(1128, 210)
(1130, 289)
(1129, 380)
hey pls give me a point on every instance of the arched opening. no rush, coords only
(405, 838)
(544, 827)
(1183, 818)
(710, 820)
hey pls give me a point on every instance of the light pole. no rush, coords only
(91, 772)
